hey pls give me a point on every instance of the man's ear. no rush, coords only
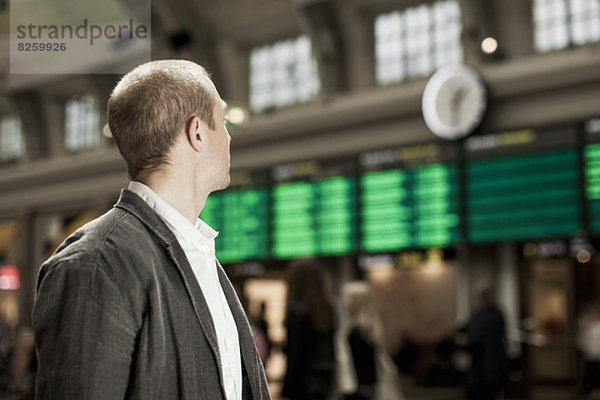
(195, 131)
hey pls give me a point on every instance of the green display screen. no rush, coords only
(409, 208)
(591, 154)
(314, 218)
(524, 197)
(241, 217)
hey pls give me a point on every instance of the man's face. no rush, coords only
(218, 147)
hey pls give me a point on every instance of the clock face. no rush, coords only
(454, 101)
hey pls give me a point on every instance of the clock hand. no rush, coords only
(455, 102)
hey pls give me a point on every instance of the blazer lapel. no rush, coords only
(132, 203)
(197, 297)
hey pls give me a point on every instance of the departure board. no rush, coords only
(409, 208)
(313, 210)
(523, 197)
(241, 218)
(336, 216)
(314, 218)
(591, 156)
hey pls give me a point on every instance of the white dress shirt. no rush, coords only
(198, 243)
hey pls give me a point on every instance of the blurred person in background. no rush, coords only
(6, 353)
(263, 324)
(134, 305)
(485, 340)
(589, 345)
(310, 326)
(370, 373)
(261, 334)
(23, 366)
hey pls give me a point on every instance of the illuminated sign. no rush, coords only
(313, 209)
(409, 208)
(504, 139)
(241, 216)
(314, 218)
(523, 197)
(591, 157)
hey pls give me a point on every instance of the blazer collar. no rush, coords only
(135, 205)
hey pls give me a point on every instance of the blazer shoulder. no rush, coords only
(84, 243)
(112, 250)
(107, 241)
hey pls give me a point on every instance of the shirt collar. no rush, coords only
(199, 234)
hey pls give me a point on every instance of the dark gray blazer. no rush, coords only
(119, 314)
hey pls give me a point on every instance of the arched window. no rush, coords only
(416, 41)
(12, 141)
(561, 23)
(82, 123)
(282, 74)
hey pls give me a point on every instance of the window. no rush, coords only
(12, 141)
(560, 23)
(415, 42)
(82, 123)
(282, 74)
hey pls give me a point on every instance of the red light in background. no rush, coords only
(10, 279)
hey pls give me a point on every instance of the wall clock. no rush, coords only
(454, 101)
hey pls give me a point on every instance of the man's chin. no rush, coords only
(225, 183)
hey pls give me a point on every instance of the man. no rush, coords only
(487, 344)
(134, 305)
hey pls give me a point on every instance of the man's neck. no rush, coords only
(179, 193)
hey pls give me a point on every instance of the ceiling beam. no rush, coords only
(321, 21)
